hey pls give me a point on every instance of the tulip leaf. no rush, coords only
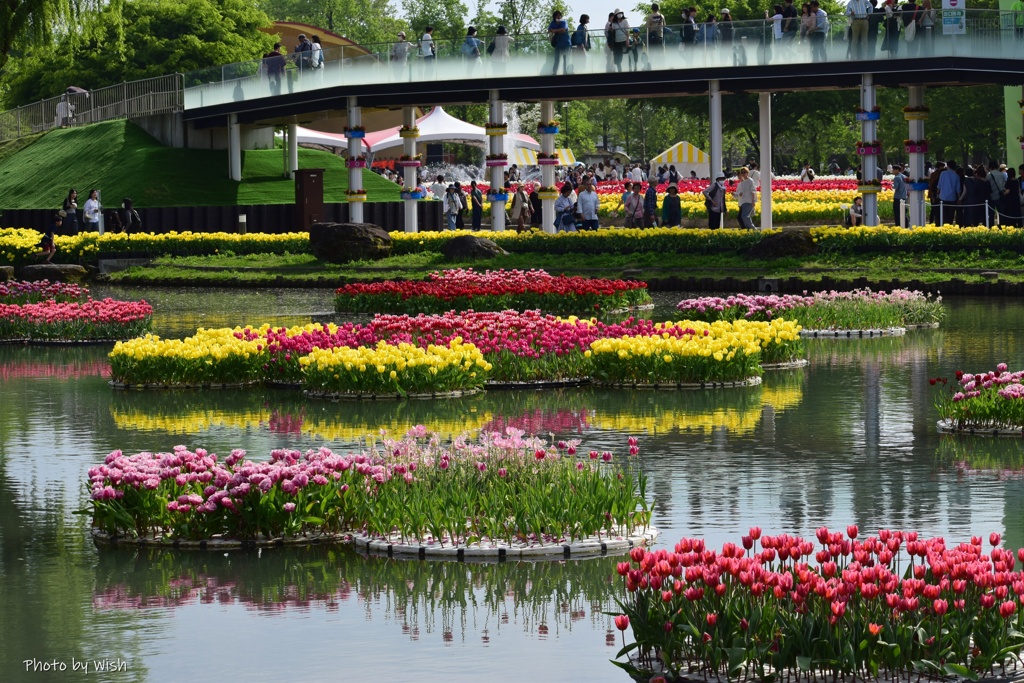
(960, 670)
(627, 649)
(804, 663)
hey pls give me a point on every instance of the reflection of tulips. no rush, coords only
(501, 489)
(20, 292)
(772, 610)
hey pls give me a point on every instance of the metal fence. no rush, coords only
(160, 95)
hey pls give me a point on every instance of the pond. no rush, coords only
(849, 439)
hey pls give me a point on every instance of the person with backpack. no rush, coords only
(558, 31)
(714, 201)
(471, 48)
(581, 42)
(303, 53)
(316, 58)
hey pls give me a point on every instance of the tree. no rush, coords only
(26, 23)
(448, 17)
(367, 22)
(155, 38)
(529, 16)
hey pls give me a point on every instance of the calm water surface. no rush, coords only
(851, 439)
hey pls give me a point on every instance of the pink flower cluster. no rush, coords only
(770, 304)
(972, 384)
(20, 291)
(90, 310)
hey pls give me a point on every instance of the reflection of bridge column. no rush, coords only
(872, 400)
(497, 192)
(234, 148)
(765, 141)
(410, 172)
(547, 173)
(293, 149)
(355, 150)
(715, 122)
(915, 96)
(869, 165)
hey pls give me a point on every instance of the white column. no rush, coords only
(355, 175)
(915, 97)
(765, 108)
(284, 150)
(869, 162)
(410, 174)
(715, 121)
(234, 148)
(293, 149)
(547, 173)
(497, 146)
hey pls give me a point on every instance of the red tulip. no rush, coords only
(622, 622)
(994, 538)
(1007, 609)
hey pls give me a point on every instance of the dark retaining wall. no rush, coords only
(268, 218)
(794, 285)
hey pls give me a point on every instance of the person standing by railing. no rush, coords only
(818, 34)
(927, 33)
(858, 11)
(501, 43)
(303, 53)
(874, 19)
(655, 29)
(891, 42)
(558, 32)
(428, 52)
(689, 33)
(273, 65)
(619, 38)
(790, 23)
(581, 43)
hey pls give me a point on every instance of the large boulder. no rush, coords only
(54, 272)
(6, 273)
(468, 248)
(345, 242)
(787, 243)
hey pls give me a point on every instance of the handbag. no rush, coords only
(910, 31)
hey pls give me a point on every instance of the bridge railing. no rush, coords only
(160, 95)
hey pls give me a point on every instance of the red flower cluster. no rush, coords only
(89, 319)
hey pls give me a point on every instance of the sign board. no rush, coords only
(954, 17)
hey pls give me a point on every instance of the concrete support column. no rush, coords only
(293, 149)
(869, 162)
(547, 173)
(498, 195)
(284, 150)
(234, 148)
(410, 172)
(355, 175)
(764, 101)
(915, 97)
(715, 121)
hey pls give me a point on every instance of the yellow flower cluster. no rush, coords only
(386, 368)
(216, 355)
(720, 339)
(207, 345)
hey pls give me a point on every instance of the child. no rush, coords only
(46, 245)
(857, 212)
(671, 209)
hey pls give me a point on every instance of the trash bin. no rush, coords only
(309, 198)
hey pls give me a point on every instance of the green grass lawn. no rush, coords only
(122, 160)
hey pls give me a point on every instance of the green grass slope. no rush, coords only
(122, 160)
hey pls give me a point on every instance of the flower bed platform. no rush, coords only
(949, 427)
(342, 396)
(104, 540)
(790, 365)
(850, 334)
(124, 386)
(670, 386)
(542, 384)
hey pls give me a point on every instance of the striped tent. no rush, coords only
(685, 157)
(528, 157)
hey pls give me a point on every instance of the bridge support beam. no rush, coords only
(498, 194)
(547, 173)
(715, 122)
(915, 97)
(410, 172)
(293, 149)
(355, 150)
(869, 162)
(764, 101)
(234, 148)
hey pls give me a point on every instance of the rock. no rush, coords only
(467, 247)
(788, 243)
(345, 242)
(6, 273)
(54, 272)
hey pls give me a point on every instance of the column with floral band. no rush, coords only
(547, 128)
(869, 148)
(355, 132)
(497, 128)
(409, 162)
(916, 113)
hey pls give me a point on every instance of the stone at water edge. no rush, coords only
(466, 247)
(6, 273)
(54, 272)
(788, 243)
(345, 242)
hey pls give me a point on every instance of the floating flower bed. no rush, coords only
(988, 402)
(502, 489)
(75, 321)
(493, 291)
(860, 309)
(878, 608)
(21, 292)
(692, 352)
(208, 357)
(397, 369)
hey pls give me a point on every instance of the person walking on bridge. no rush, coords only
(619, 35)
(558, 31)
(858, 11)
(817, 36)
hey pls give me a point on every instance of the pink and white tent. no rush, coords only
(439, 126)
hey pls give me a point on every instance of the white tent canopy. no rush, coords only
(308, 136)
(440, 126)
(685, 157)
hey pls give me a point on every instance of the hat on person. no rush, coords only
(672, 186)
(1002, 167)
(720, 176)
(401, 34)
(725, 11)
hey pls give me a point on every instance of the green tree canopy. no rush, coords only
(150, 38)
(366, 22)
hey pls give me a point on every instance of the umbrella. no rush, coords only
(75, 90)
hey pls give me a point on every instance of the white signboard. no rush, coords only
(954, 17)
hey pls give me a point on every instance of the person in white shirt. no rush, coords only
(588, 203)
(452, 206)
(858, 11)
(427, 50)
(745, 195)
(755, 175)
(92, 211)
(807, 174)
(438, 187)
(637, 174)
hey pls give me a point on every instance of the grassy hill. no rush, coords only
(122, 160)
